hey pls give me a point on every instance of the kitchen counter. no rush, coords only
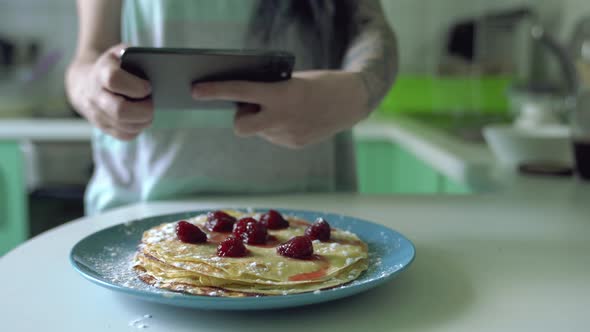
(45, 130)
(34, 150)
(472, 165)
(469, 164)
(510, 262)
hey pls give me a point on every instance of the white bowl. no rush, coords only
(513, 146)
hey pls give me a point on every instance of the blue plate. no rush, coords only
(105, 259)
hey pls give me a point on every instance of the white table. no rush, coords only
(513, 262)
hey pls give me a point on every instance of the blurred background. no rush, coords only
(464, 64)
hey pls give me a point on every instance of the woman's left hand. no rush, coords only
(310, 107)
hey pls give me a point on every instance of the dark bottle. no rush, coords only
(582, 156)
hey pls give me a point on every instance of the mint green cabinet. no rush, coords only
(13, 202)
(384, 168)
(374, 166)
(451, 187)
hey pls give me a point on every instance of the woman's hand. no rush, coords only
(100, 90)
(306, 109)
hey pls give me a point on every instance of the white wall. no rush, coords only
(421, 25)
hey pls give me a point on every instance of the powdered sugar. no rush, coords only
(140, 323)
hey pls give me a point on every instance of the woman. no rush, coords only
(297, 139)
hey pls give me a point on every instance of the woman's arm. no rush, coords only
(373, 50)
(95, 85)
(99, 29)
(314, 105)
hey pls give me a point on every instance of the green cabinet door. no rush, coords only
(451, 187)
(375, 162)
(412, 175)
(384, 168)
(13, 203)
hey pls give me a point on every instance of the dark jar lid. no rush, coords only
(546, 168)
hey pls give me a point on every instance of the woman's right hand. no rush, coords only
(101, 91)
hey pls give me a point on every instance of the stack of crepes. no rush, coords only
(165, 262)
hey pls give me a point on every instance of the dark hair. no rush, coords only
(329, 19)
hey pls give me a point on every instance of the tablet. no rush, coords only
(173, 71)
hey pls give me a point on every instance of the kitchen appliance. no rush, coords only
(580, 124)
(540, 135)
(580, 50)
(492, 44)
(514, 146)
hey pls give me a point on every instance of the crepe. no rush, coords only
(165, 262)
